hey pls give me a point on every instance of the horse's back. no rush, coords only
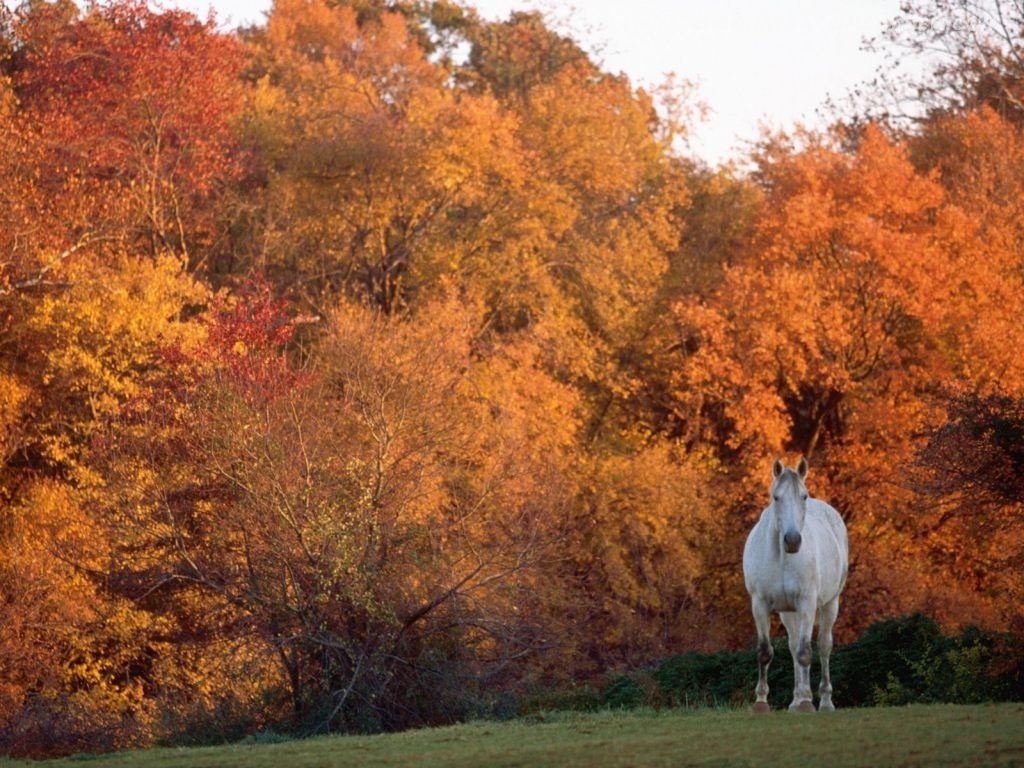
(827, 518)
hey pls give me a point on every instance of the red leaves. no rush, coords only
(247, 335)
(248, 338)
(134, 111)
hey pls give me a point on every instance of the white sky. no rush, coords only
(755, 62)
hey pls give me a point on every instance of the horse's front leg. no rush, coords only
(826, 619)
(799, 625)
(763, 620)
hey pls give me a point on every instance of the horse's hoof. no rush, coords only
(761, 708)
(803, 706)
(826, 707)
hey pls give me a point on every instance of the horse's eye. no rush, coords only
(805, 497)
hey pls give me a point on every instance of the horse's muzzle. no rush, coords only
(792, 541)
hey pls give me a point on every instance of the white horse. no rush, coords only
(795, 564)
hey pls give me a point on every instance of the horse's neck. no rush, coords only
(773, 535)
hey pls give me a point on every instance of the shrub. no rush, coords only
(908, 660)
(623, 692)
(887, 664)
(722, 678)
(896, 661)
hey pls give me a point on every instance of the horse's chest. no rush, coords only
(788, 588)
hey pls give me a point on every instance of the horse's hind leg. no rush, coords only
(763, 620)
(826, 619)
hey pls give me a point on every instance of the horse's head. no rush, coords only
(789, 503)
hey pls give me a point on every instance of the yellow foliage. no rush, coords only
(14, 402)
(652, 515)
(92, 344)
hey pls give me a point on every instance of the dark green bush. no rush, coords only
(623, 692)
(896, 661)
(908, 660)
(885, 665)
(723, 678)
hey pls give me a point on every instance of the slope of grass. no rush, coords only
(940, 735)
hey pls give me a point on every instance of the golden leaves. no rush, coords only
(91, 345)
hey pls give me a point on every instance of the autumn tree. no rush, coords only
(969, 137)
(374, 160)
(513, 56)
(977, 156)
(550, 196)
(419, 178)
(116, 137)
(381, 522)
(132, 112)
(109, 164)
(944, 55)
(862, 290)
(76, 656)
(970, 470)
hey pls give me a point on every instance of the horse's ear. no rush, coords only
(801, 468)
(777, 469)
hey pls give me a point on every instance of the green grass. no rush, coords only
(940, 735)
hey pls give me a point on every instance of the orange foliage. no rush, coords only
(862, 289)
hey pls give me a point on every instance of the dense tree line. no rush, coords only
(367, 365)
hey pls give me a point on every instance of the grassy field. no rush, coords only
(911, 736)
